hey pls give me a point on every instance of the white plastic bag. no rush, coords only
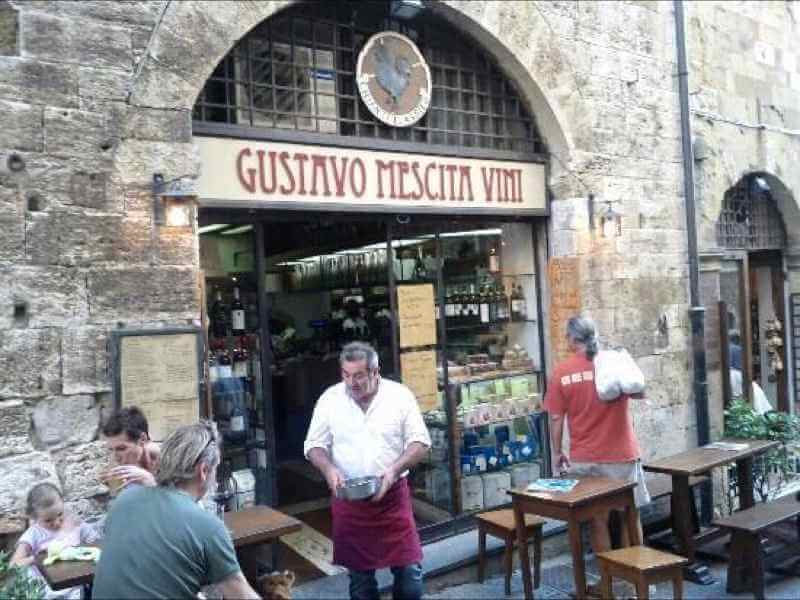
(606, 378)
(631, 378)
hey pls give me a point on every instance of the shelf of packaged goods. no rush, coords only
(491, 376)
(506, 469)
(502, 421)
(475, 326)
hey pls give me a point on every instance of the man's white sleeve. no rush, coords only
(319, 431)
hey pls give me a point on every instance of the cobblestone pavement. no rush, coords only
(557, 583)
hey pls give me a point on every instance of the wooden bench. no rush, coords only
(501, 524)
(748, 557)
(641, 566)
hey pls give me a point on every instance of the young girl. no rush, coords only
(49, 522)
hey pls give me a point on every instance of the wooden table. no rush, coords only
(248, 527)
(700, 461)
(591, 495)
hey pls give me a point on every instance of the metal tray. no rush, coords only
(359, 488)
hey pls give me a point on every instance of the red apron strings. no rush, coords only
(369, 535)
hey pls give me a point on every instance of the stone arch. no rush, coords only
(175, 67)
(784, 202)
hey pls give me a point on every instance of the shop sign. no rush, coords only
(245, 171)
(393, 79)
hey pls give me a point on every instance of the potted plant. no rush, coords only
(16, 583)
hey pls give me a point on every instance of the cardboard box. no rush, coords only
(472, 493)
(495, 488)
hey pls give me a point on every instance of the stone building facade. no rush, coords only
(95, 97)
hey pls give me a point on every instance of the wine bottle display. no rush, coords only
(237, 314)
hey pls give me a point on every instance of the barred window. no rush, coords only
(296, 71)
(749, 218)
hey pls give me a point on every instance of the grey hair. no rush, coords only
(184, 449)
(583, 332)
(356, 351)
(41, 497)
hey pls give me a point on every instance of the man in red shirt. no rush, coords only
(602, 440)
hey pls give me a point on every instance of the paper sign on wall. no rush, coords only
(415, 307)
(563, 277)
(418, 370)
(159, 375)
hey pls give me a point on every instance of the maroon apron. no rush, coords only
(375, 535)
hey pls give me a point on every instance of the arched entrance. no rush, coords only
(319, 223)
(752, 232)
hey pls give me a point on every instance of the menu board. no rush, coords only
(159, 374)
(415, 307)
(563, 277)
(418, 370)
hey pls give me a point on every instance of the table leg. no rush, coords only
(683, 526)
(524, 558)
(744, 476)
(578, 566)
(632, 518)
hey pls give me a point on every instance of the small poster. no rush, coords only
(159, 374)
(417, 320)
(565, 301)
(418, 370)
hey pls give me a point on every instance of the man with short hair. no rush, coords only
(127, 436)
(366, 426)
(159, 541)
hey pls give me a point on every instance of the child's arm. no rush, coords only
(23, 555)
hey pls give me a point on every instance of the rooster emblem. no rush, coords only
(392, 72)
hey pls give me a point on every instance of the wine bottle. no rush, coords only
(494, 260)
(219, 321)
(484, 305)
(502, 302)
(237, 314)
(518, 306)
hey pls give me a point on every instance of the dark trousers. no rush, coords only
(407, 583)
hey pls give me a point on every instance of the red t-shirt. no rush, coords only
(599, 431)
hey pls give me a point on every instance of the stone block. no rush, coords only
(80, 468)
(151, 124)
(159, 88)
(20, 126)
(119, 11)
(88, 189)
(76, 133)
(18, 474)
(138, 160)
(103, 84)
(140, 293)
(30, 363)
(12, 223)
(9, 29)
(79, 41)
(84, 355)
(37, 82)
(14, 428)
(66, 420)
(72, 238)
(54, 297)
(177, 246)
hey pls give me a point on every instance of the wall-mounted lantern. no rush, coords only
(610, 221)
(405, 9)
(174, 200)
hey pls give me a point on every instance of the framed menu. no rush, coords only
(417, 319)
(160, 372)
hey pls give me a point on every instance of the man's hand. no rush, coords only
(561, 462)
(236, 586)
(389, 477)
(334, 478)
(130, 474)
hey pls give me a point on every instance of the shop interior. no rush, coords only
(328, 280)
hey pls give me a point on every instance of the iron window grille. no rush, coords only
(296, 71)
(750, 220)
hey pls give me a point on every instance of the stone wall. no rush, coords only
(744, 88)
(96, 97)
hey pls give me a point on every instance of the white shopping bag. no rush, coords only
(606, 378)
(631, 378)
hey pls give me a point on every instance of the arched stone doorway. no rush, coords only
(756, 323)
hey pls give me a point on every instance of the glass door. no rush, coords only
(735, 334)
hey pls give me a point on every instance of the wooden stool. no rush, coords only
(501, 524)
(641, 566)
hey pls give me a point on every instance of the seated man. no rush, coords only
(127, 436)
(159, 542)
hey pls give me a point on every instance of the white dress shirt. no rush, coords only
(366, 443)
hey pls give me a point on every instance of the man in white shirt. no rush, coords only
(364, 426)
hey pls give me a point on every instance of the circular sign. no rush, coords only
(393, 79)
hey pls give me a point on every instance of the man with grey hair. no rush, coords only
(602, 440)
(159, 542)
(368, 426)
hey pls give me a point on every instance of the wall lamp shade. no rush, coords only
(405, 9)
(174, 200)
(609, 220)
